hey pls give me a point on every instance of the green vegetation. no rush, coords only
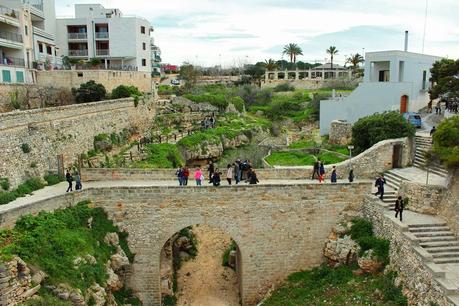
(89, 92)
(444, 78)
(169, 300)
(446, 142)
(252, 152)
(362, 232)
(52, 179)
(22, 190)
(370, 130)
(52, 242)
(25, 148)
(328, 286)
(166, 90)
(162, 155)
(303, 144)
(126, 297)
(125, 91)
(284, 87)
(292, 158)
(329, 158)
(14, 100)
(46, 299)
(4, 183)
(225, 257)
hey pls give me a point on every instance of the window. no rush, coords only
(40, 48)
(144, 46)
(49, 50)
(6, 76)
(142, 30)
(80, 74)
(144, 62)
(26, 31)
(424, 80)
(19, 77)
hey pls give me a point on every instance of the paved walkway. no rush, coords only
(419, 176)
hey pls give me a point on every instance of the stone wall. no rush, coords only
(67, 130)
(27, 96)
(406, 257)
(279, 229)
(340, 132)
(109, 78)
(449, 207)
(366, 165)
(422, 199)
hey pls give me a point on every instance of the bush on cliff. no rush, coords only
(163, 155)
(446, 142)
(89, 92)
(362, 232)
(22, 190)
(370, 130)
(125, 91)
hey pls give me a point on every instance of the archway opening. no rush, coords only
(201, 265)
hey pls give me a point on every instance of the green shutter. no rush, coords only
(6, 76)
(19, 77)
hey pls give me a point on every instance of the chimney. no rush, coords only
(406, 41)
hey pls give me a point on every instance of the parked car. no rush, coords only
(175, 82)
(413, 118)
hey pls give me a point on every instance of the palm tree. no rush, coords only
(332, 51)
(270, 64)
(292, 50)
(355, 60)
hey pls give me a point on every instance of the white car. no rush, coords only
(175, 82)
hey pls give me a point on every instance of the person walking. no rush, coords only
(252, 177)
(333, 177)
(78, 185)
(351, 176)
(237, 170)
(216, 178)
(321, 172)
(399, 207)
(229, 173)
(432, 131)
(198, 177)
(380, 181)
(315, 171)
(186, 174)
(69, 179)
(211, 170)
(179, 174)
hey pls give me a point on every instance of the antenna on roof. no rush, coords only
(425, 25)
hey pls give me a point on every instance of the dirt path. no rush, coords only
(204, 281)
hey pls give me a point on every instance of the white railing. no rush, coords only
(102, 52)
(78, 52)
(101, 35)
(78, 35)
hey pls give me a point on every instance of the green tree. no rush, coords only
(270, 65)
(292, 50)
(354, 60)
(125, 91)
(190, 75)
(89, 92)
(332, 51)
(256, 72)
(445, 78)
(446, 142)
(370, 130)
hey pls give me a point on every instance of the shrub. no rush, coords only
(162, 155)
(238, 103)
(284, 87)
(5, 183)
(124, 91)
(52, 179)
(14, 100)
(225, 257)
(169, 300)
(89, 92)
(25, 188)
(25, 148)
(446, 142)
(370, 130)
(361, 228)
(165, 90)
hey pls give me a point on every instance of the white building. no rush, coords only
(155, 58)
(27, 29)
(96, 32)
(393, 80)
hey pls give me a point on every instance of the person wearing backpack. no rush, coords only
(69, 179)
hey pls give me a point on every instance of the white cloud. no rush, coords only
(209, 32)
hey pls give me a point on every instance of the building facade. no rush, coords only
(155, 58)
(116, 41)
(27, 39)
(393, 81)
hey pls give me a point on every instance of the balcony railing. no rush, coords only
(38, 4)
(12, 61)
(102, 52)
(9, 12)
(78, 52)
(78, 35)
(11, 36)
(101, 35)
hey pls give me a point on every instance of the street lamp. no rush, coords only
(350, 155)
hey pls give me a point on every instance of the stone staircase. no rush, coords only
(393, 181)
(438, 240)
(423, 144)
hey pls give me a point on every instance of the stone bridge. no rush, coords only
(279, 227)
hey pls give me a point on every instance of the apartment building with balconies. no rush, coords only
(155, 58)
(26, 39)
(120, 42)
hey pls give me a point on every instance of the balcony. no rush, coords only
(78, 53)
(12, 61)
(11, 36)
(76, 36)
(42, 33)
(102, 35)
(102, 52)
(9, 12)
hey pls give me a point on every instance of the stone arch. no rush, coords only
(216, 226)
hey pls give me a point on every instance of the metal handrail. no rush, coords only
(78, 35)
(101, 52)
(11, 36)
(12, 61)
(9, 12)
(102, 35)
(78, 52)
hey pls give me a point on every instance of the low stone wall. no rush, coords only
(418, 280)
(449, 207)
(27, 96)
(340, 132)
(300, 84)
(66, 130)
(422, 199)
(109, 78)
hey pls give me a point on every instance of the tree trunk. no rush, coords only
(331, 62)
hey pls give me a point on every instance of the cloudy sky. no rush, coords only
(232, 32)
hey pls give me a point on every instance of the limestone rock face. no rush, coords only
(342, 250)
(112, 239)
(203, 151)
(235, 142)
(113, 282)
(98, 294)
(119, 260)
(369, 263)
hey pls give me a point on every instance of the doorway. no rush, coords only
(403, 104)
(397, 156)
